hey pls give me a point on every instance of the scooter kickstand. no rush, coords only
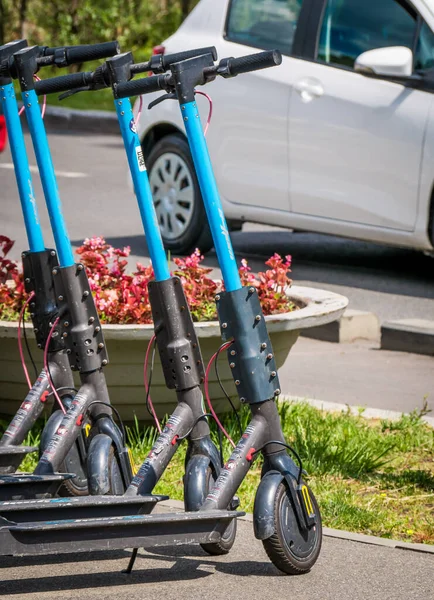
(128, 570)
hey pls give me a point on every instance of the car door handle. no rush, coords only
(309, 88)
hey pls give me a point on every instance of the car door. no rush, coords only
(355, 143)
(249, 147)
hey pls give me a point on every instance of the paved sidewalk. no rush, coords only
(359, 375)
(345, 570)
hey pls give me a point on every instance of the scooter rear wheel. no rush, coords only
(290, 549)
(77, 486)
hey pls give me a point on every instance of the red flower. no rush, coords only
(124, 298)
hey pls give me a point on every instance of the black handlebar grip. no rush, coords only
(170, 59)
(80, 54)
(254, 62)
(85, 53)
(160, 63)
(137, 87)
(64, 83)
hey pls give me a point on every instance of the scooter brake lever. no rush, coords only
(171, 96)
(72, 92)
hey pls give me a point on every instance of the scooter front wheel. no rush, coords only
(291, 549)
(103, 468)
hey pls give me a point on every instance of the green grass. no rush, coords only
(373, 477)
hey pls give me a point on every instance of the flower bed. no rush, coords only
(123, 303)
(122, 298)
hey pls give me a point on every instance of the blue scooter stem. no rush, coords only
(48, 177)
(142, 188)
(210, 196)
(22, 169)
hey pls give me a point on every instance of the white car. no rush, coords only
(339, 139)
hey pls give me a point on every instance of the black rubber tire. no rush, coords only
(78, 485)
(279, 551)
(228, 538)
(117, 487)
(197, 234)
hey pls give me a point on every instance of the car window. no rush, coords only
(351, 27)
(424, 57)
(266, 24)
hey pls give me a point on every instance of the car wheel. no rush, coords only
(177, 198)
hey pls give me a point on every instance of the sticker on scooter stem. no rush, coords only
(140, 158)
(67, 425)
(31, 400)
(238, 453)
(133, 126)
(163, 442)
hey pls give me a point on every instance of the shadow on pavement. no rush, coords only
(196, 566)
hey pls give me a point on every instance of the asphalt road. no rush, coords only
(345, 570)
(391, 282)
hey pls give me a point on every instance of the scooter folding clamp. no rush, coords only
(251, 356)
(79, 325)
(38, 278)
(177, 342)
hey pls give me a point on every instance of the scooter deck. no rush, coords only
(114, 533)
(21, 486)
(12, 456)
(90, 507)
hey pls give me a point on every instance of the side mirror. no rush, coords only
(394, 61)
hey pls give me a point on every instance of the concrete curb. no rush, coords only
(408, 335)
(353, 325)
(365, 412)
(86, 121)
(333, 533)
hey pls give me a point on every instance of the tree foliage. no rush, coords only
(136, 24)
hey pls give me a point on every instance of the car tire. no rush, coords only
(177, 198)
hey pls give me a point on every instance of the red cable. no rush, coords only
(212, 359)
(205, 131)
(50, 381)
(148, 393)
(20, 346)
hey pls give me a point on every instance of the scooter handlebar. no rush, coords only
(70, 55)
(63, 83)
(170, 59)
(137, 87)
(253, 62)
(160, 63)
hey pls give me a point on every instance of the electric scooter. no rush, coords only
(286, 515)
(38, 264)
(63, 441)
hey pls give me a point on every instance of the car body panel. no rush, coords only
(355, 151)
(382, 194)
